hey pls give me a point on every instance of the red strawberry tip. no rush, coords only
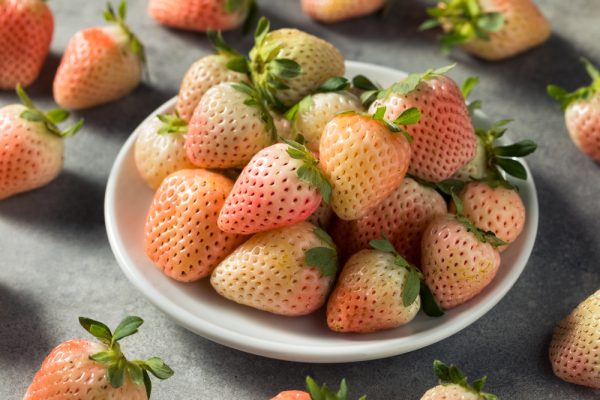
(583, 93)
(452, 375)
(118, 18)
(172, 124)
(114, 360)
(50, 119)
(465, 21)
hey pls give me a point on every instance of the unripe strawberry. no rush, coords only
(26, 28)
(287, 271)
(574, 350)
(339, 10)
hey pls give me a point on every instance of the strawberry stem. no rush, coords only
(118, 18)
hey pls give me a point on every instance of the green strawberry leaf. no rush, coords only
(97, 329)
(238, 64)
(590, 69)
(147, 383)
(116, 374)
(479, 384)
(363, 83)
(382, 245)
(309, 171)
(127, 327)
(172, 124)
(442, 371)
(57, 115)
(324, 258)
(105, 357)
(512, 167)
(519, 149)
(334, 84)
(429, 24)
(284, 68)
(157, 367)
(468, 86)
(451, 374)
(220, 45)
(135, 372)
(123, 9)
(135, 44)
(408, 117)
(32, 116)
(428, 302)
(490, 22)
(262, 28)
(583, 93)
(412, 287)
(324, 393)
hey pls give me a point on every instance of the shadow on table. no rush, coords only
(24, 341)
(72, 201)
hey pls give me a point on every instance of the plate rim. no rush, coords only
(355, 351)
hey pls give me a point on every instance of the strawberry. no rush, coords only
(582, 112)
(181, 235)
(454, 385)
(574, 350)
(458, 260)
(159, 149)
(377, 289)
(26, 28)
(228, 127)
(444, 139)
(100, 64)
(206, 73)
(31, 145)
(316, 392)
(489, 29)
(339, 10)
(402, 216)
(280, 186)
(322, 216)
(494, 208)
(288, 64)
(365, 159)
(201, 15)
(287, 271)
(82, 369)
(313, 112)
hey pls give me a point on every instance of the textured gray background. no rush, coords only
(56, 263)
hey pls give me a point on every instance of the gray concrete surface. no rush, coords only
(56, 264)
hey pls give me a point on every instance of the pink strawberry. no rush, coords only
(100, 65)
(159, 149)
(574, 350)
(489, 29)
(287, 64)
(226, 130)
(280, 186)
(582, 112)
(364, 160)
(497, 209)
(454, 385)
(31, 146)
(316, 392)
(81, 369)
(339, 10)
(206, 73)
(444, 139)
(26, 28)
(287, 271)
(402, 216)
(200, 15)
(313, 112)
(181, 235)
(458, 260)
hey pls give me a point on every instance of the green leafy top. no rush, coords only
(256, 99)
(452, 375)
(324, 258)
(50, 119)
(309, 171)
(114, 360)
(583, 93)
(409, 116)
(466, 89)
(501, 157)
(369, 89)
(118, 18)
(237, 62)
(172, 124)
(324, 393)
(410, 83)
(415, 284)
(463, 21)
(269, 72)
(452, 188)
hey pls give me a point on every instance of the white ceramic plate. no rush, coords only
(307, 339)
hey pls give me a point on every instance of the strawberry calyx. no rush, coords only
(583, 93)
(466, 89)
(410, 83)
(309, 171)
(118, 18)
(463, 21)
(269, 72)
(409, 116)
(256, 99)
(452, 375)
(324, 393)
(237, 62)
(117, 366)
(369, 89)
(415, 284)
(50, 119)
(452, 188)
(323, 257)
(172, 124)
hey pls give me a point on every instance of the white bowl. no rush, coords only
(200, 309)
